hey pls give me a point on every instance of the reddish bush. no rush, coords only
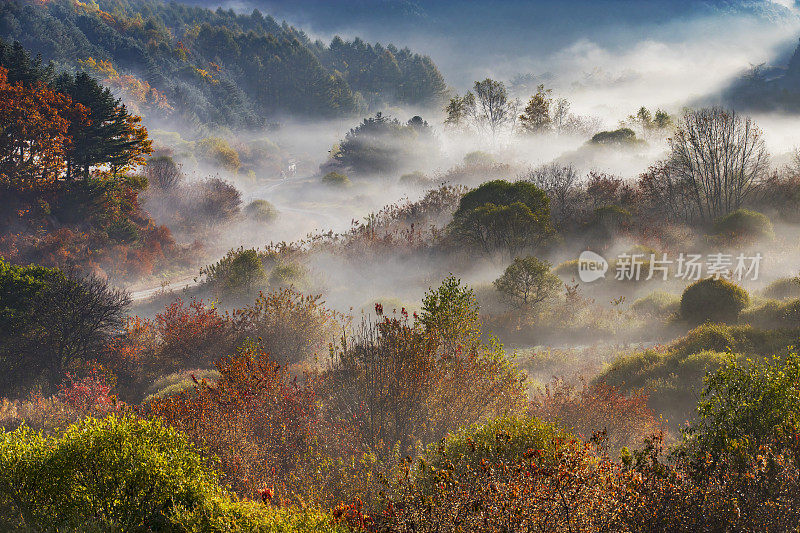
(597, 407)
(255, 418)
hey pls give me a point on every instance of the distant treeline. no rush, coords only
(219, 68)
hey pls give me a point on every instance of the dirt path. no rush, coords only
(183, 283)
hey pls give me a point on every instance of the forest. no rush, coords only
(261, 278)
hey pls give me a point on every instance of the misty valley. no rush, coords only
(399, 266)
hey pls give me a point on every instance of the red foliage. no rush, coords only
(89, 392)
(255, 418)
(597, 407)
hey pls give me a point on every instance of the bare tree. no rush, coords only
(63, 325)
(163, 173)
(559, 183)
(717, 159)
(491, 110)
(560, 114)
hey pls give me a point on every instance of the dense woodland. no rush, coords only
(219, 68)
(441, 364)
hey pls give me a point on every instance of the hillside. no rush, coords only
(219, 68)
(768, 87)
(468, 37)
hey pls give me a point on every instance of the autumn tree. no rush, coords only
(256, 418)
(163, 173)
(406, 381)
(34, 136)
(113, 137)
(536, 117)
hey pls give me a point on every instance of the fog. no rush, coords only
(665, 61)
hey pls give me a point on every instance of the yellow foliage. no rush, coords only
(138, 92)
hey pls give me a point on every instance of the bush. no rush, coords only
(112, 474)
(178, 382)
(479, 158)
(499, 440)
(288, 274)
(773, 314)
(672, 375)
(512, 474)
(783, 288)
(126, 474)
(713, 300)
(255, 418)
(622, 136)
(123, 231)
(260, 211)
(216, 201)
(217, 150)
(746, 224)
(567, 269)
(336, 179)
(289, 326)
(658, 304)
(746, 406)
(416, 179)
(239, 274)
(163, 173)
(595, 408)
(416, 381)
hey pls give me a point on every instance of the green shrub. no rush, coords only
(612, 216)
(500, 440)
(671, 380)
(336, 179)
(657, 303)
(478, 158)
(713, 300)
(567, 269)
(103, 475)
(783, 288)
(746, 405)
(123, 230)
(286, 274)
(672, 376)
(773, 314)
(621, 136)
(744, 223)
(218, 151)
(239, 274)
(178, 382)
(416, 179)
(126, 474)
(261, 211)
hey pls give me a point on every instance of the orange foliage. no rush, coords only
(255, 418)
(137, 91)
(34, 138)
(597, 407)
